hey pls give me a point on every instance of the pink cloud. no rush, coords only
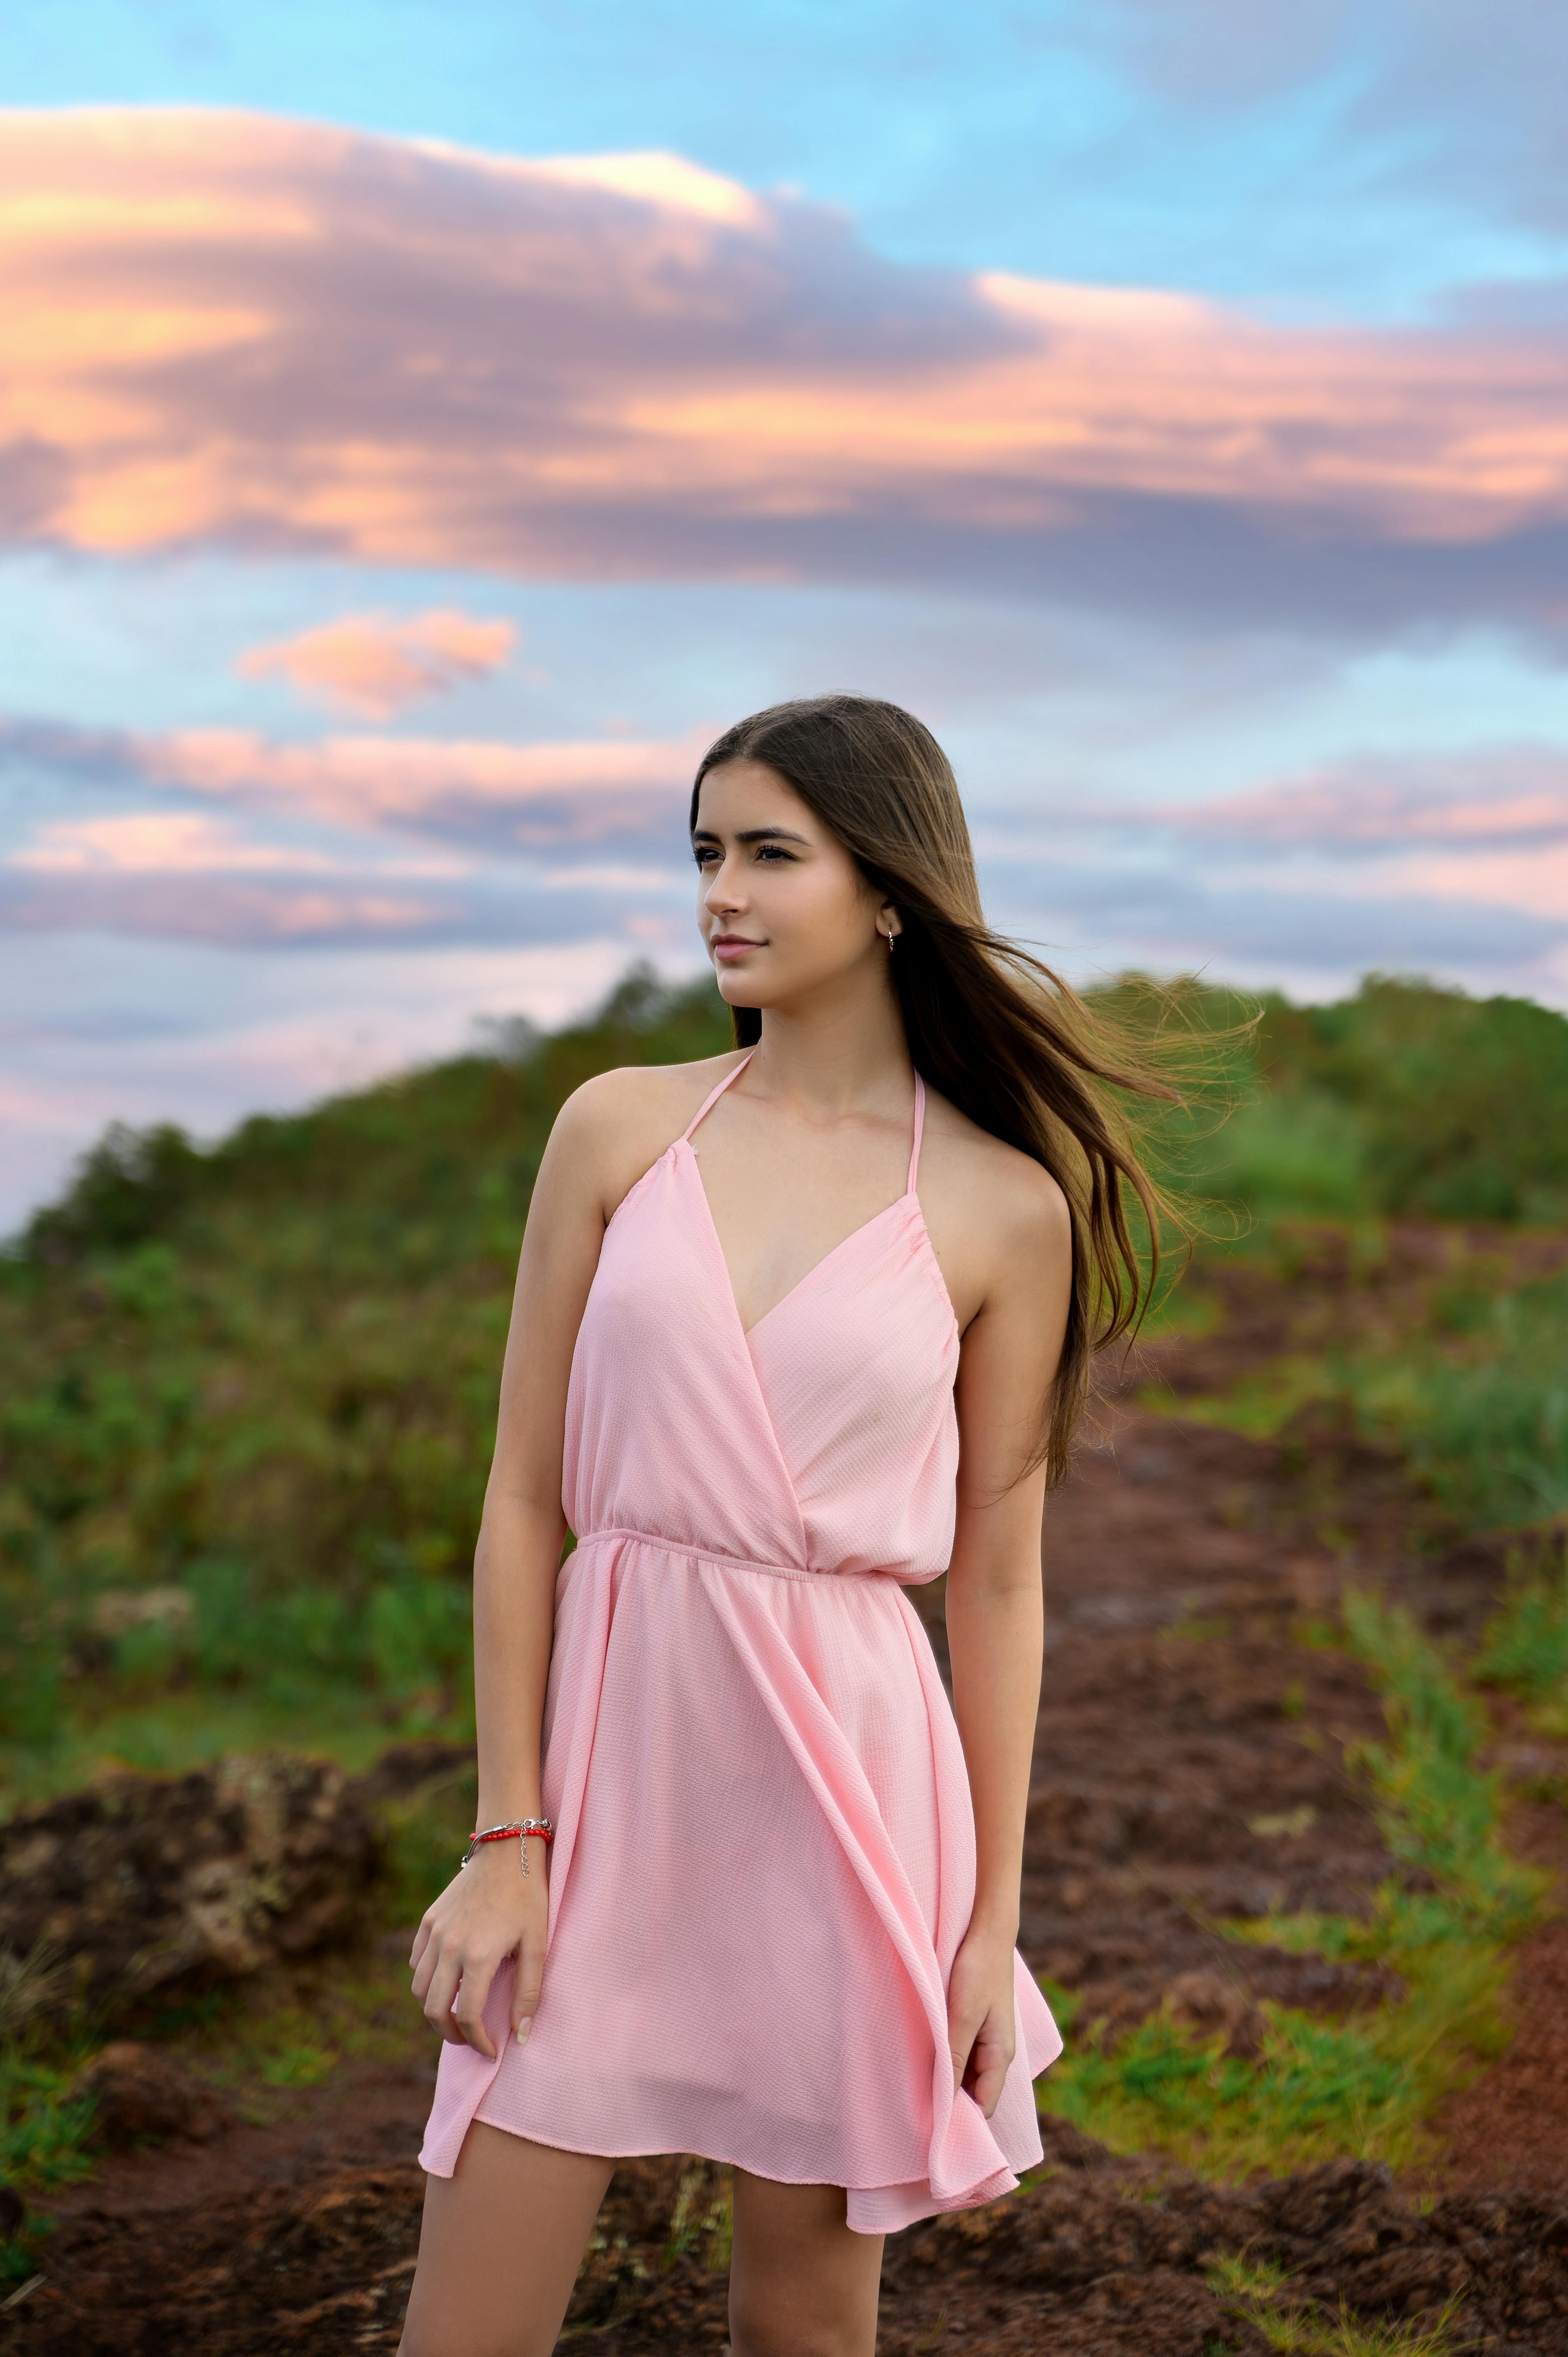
(590, 788)
(176, 842)
(1534, 882)
(1486, 830)
(487, 793)
(376, 664)
(228, 326)
(154, 843)
(1517, 797)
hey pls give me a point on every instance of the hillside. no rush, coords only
(247, 1392)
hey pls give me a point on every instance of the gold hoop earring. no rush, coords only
(890, 944)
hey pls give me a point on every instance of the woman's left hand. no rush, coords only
(982, 2029)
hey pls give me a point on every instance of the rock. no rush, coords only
(143, 2094)
(143, 1883)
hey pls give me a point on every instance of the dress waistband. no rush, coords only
(730, 1562)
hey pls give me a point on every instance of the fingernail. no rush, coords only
(522, 2030)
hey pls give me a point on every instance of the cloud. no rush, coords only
(350, 840)
(228, 328)
(1459, 100)
(376, 664)
(1512, 797)
(1457, 864)
(1488, 831)
(582, 791)
(139, 879)
(224, 909)
(155, 842)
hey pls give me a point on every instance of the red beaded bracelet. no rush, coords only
(524, 1826)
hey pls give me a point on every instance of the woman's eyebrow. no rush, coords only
(754, 835)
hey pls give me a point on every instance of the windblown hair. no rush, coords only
(996, 1032)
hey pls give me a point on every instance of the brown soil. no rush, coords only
(1099, 2256)
(1189, 1766)
(1510, 2127)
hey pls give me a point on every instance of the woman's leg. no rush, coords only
(499, 2247)
(802, 2284)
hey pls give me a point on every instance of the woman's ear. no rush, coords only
(889, 924)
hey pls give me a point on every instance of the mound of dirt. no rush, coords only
(149, 1882)
(141, 2094)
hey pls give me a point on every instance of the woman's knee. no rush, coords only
(802, 2284)
(791, 2327)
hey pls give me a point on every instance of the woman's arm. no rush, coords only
(491, 1910)
(994, 1606)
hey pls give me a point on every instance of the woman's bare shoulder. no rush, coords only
(1010, 1197)
(614, 1125)
(637, 1092)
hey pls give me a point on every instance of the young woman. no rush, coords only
(793, 1329)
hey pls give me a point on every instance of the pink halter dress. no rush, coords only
(765, 1858)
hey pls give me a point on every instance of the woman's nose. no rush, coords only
(723, 889)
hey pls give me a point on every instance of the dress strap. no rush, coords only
(919, 1126)
(714, 1094)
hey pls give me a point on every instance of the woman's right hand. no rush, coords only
(489, 1911)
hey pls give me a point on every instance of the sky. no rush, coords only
(420, 431)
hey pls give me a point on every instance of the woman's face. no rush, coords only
(782, 906)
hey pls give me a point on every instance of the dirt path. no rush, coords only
(1188, 1764)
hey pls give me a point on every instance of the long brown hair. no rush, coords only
(999, 1034)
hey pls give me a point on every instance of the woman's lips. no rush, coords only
(732, 945)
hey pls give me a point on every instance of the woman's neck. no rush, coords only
(836, 1050)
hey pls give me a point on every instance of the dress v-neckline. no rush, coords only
(817, 1265)
(898, 1204)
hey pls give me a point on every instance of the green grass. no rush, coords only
(45, 2139)
(294, 2030)
(1366, 2086)
(1464, 1377)
(1263, 2296)
(1525, 1648)
(44, 2127)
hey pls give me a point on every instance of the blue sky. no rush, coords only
(1344, 160)
(1166, 405)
